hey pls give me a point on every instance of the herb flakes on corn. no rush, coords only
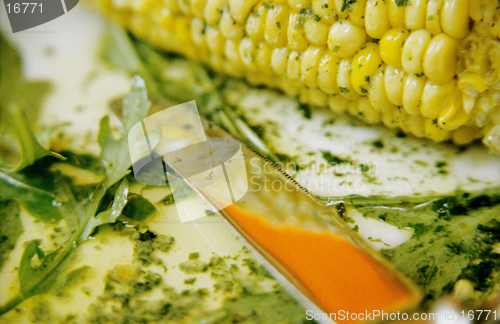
(429, 67)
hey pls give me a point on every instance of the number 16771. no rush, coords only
(23, 7)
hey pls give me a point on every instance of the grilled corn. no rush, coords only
(429, 67)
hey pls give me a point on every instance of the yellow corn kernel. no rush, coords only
(455, 18)
(298, 5)
(232, 53)
(340, 9)
(414, 50)
(316, 32)
(164, 17)
(239, 9)
(182, 28)
(159, 35)
(376, 18)
(324, 10)
(276, 25)
(184, 6)
(396, 13)
(465, 134)
(248, 51)
(290, 87)
(198, 8)
(434, 98)
(345, 38)
(338, 103)
(391, 118)
(317, 97)
(279, 60)
(471, 85)
(228, 26)
(213, 11)
(475, 10)
(231, 69)
(377, 93)
(434, 132)
(303, 95)
(402, 117)
(357, 12)
(412, 93)
(215, 40)
(171, 5)
(344, 80)
(216, 62)
(263, 57)
(255, 24)
(415, 14)
(296, 38)
(364, 65)
(366, 111)
(139, 26)
(432, 22)
(327, 73)
(453, 115)
(394, 84)
(441, 58)
(198, 33)
(293, 66)
(309, 65)
(416, 125)
(391, 45)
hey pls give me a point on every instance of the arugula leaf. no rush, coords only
(50, 275)
(47, 276)
(10, 227)
(26, 190)
(18, 96)
(138, 208)
(107, 216)
(115, 152)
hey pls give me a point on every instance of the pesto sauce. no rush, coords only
(147, 243)
(10, 227)
(124, 300)
(452, 240)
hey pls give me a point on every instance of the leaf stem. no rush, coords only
(13, 302)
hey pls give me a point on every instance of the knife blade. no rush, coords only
(305, 243)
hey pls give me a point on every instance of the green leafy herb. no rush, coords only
(50, 274)
(333, 159)
(347, 5)
(35, 192)
(306, 111)
(138, 207)
(17, 97)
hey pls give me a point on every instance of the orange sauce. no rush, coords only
(340, 275)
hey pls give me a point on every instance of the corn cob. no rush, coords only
(429, 67)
